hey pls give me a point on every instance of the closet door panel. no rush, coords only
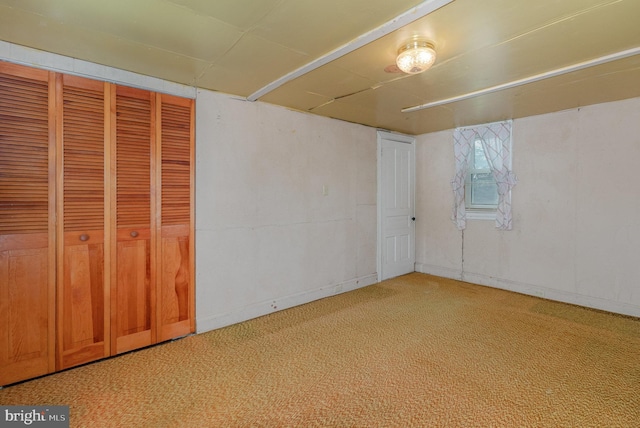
(83, 335)
(82, 291)
(135, 279)
(175, 284)
(24, 312)
(176, 288)
(27, 233)
(133, 305)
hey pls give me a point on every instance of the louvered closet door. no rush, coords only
(176, 289)
(27, 281)
(135, 277)
(83, 330)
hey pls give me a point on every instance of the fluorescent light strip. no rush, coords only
(530, 79)
(413, 14)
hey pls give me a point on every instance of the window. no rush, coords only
(483, 181)
(480, 189)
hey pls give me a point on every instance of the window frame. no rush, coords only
(479, 211)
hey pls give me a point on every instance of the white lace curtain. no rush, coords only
(496, 144)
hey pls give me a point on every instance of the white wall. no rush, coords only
(576, 234)
(266, 236)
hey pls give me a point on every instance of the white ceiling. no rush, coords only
(241, 46)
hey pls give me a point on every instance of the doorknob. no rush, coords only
(413, 218)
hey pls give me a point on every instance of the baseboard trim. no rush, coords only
(439, 271)
(532, 290)
(213, 322)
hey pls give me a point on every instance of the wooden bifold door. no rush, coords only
(83, 176)
(175, 246)
(134, 284)
(96, 220)
(27, 246)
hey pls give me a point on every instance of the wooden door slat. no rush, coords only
(24, 142)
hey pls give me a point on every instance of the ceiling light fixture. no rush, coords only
(411, 15)
(416, 56)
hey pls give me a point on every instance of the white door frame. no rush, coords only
(402, 138)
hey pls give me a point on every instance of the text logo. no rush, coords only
(34, 416)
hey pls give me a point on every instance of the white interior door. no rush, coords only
(396, 205)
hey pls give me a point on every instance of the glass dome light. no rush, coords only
(416, 56)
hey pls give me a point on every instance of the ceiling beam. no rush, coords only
(413, 14)
(546, 75)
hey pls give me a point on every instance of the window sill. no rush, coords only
(477, 214)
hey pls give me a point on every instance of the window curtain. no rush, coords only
(496, 144)
(463, 140)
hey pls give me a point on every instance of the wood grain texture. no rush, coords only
(82, 290)
(176, 163)
(176, 280)
(83, 298)
(175, 261)
(133, 304)
(24, 153)
(24, 299)
(175, 287)
(83, 154)
(27, 301)
(134, 136)
(134, 324)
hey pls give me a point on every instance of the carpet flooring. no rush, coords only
(414, 351)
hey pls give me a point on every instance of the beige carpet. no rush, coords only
(415, 351)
